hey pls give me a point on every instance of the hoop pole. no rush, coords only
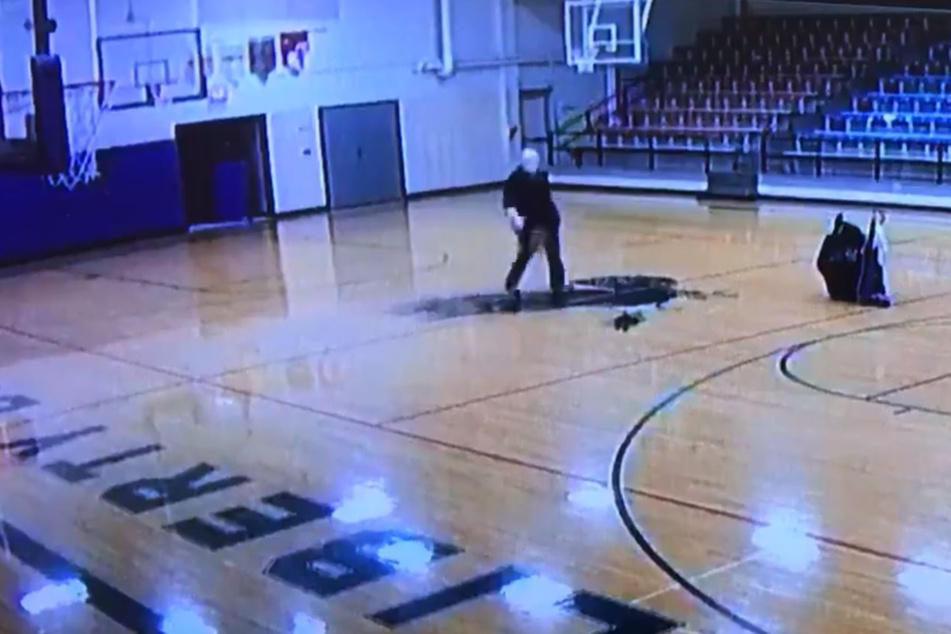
(568, 42)
(42, 28)
(639, 23)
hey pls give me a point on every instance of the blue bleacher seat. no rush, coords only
(922, 127)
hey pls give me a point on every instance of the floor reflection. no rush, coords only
(372, 253)
(246, 276)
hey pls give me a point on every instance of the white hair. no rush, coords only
(530, 160)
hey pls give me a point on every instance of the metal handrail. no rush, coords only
(878, 157)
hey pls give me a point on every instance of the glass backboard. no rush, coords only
(605, 32)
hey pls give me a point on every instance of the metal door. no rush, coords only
(536, 121)
(363, 158)
(295, 161)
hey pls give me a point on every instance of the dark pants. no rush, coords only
(529, 241)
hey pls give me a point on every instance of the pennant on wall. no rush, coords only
(233, 64)
(262, 54)
(295, 47)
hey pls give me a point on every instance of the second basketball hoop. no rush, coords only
(605, 32)
(158, 95)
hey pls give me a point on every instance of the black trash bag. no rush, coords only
(840, 260)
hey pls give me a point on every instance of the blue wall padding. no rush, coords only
(138, 195)
(231, 191)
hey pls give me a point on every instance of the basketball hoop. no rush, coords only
(611, 30)
(585, 65)
(84, 113)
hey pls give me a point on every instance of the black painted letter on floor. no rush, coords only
(15, 402)
(76, 473)
(344, 564)
(620, 618)
(239, 524)
(482, 586)
(27, 448)
(149, 494)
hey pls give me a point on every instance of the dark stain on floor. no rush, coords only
(612, 291)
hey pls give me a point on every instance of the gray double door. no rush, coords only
(363, 154)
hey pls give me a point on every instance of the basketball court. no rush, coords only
(257, 432)
(330, 423)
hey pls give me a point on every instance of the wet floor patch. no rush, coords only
(617, 291)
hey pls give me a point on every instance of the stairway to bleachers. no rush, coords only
(845, 82)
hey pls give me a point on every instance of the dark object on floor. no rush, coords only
(625, 321)
(622, 291)
(839, 260)
(515, 301)
(853, 264)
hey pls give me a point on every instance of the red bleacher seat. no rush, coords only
(759, 72)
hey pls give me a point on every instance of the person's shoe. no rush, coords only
(878, 301)
(559, 299)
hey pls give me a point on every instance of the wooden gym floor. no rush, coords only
(250, 432)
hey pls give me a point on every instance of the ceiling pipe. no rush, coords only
(446, 66)
(445, 38)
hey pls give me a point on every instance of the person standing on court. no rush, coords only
(534, 217)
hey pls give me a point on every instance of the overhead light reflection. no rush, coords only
(306, 624)
(365, 502)
(408, 555)
(55, 595)
(926, 585)
(786, 543)
(183, 621)
(537, 595)
(592, 497)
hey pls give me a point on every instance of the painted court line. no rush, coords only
(909, 386)
(704, 575)
(398, 420)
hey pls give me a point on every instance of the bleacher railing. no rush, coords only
(770, 150)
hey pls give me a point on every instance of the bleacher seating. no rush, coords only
(841, 83)
(908, 114)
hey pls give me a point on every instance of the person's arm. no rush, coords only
(547, 178)
(509, 203)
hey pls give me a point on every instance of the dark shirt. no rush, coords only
(530, 195)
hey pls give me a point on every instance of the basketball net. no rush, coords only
(84, 115)
(585, 65)
(160, 97)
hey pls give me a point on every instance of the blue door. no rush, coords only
(230, 192)
(362, 153)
